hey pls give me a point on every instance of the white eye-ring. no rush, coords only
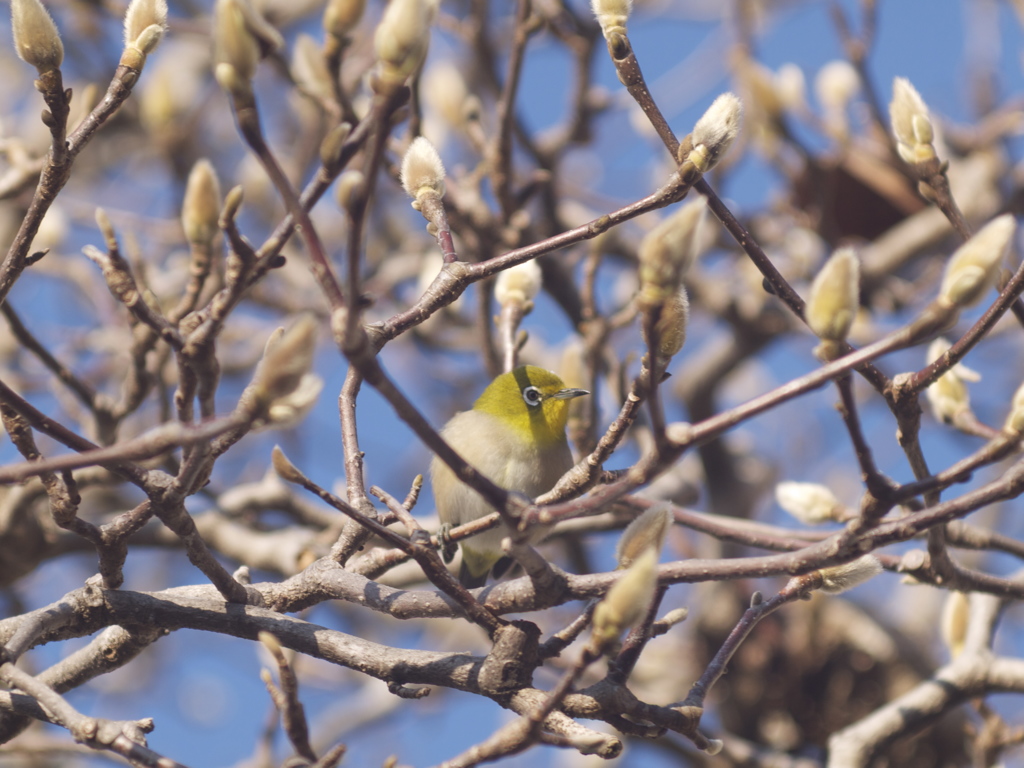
(532, 396)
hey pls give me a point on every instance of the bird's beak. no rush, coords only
(569, 394)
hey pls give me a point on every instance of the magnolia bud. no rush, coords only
(626, 601)
(402, 38)
(287, 360)
(200, 210)
(955, 615)
(834, 297)
(519, 284)
(422, 170)
(145, 22)
(670, 330)
(611, 15)
(908, 115)
(841, 578)
(342, 16)
(714, 132)
(1015, 419)
(36, 38)
(810, 503)
(667, 251)
(974, 265)
(310, 70)
(836, 83)
(645, 532)
(948, 394)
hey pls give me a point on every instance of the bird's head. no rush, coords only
(532, 401)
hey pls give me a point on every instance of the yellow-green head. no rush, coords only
(532, 401)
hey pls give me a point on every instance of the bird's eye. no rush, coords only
(532, 396)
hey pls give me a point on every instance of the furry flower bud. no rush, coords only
(200, 210)
(519, 284)
(612, 15)
(974, 264)
(422, 170)
(908, 115)
(844, 577)
(402, 38)
(36, 38)
(666, 252)
(834, 297)
(647, 531)
(627, 600)
(810, 503)
(714, 133)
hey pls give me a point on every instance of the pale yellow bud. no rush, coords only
(200, 210)
(284, 468)
(975, 264)
(948, 394)
(519, 284)
(233, 43)
(422, 169)
(351, 183)
(810, 503)
(241, 37)
(342, 16)
(911, 126)
(309, 68)
(1015, 419)
(836, 83)
(627, 600)
(790, 87)
(955, 614)
(287, 360)
(444, 92)
(844, 577)
(834, 297)
(671, 326)
(612, 15)
(647, 531)
(715, 131)
(36, 38)
(286, 412)
(402, 38)
(667, 251)
(145, 22)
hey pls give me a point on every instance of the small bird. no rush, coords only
(515, 436)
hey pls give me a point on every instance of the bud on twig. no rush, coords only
(645, 532)
(670, 330)
(955, 615)
(612, 15)
(626, 602)
(713, 134)
(666, 252)
(401, 39)
(974, 265)
(1015, 419)
(36, 38)
(241, 37)
(834, 297)
(342, 16)
(948, 395)
(810, 503)
(849, 575)
(422, 171)
(911, 125)
(519, 285)
(835, 85)
(283, 378)
(200, 210)
(145, 22)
